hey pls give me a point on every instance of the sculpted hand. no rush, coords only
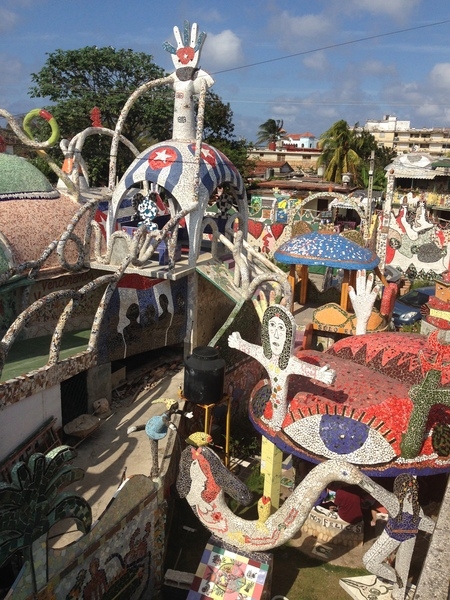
(187, 52)
(260, 303)
(326, 375)
(234, 340)
(363, 299)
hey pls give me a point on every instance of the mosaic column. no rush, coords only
(271, 467)
(383, 228)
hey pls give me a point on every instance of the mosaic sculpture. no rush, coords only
(405, 519)
(276, 355)
(366, 317)
(157, 427)
(203, 480)
(387, 408)
(189, 170)
(33, 502)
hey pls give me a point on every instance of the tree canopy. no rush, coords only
(271, 131)
(348, 150)
(339, 151)
(76, 81)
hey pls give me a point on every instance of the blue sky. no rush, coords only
(293, 60)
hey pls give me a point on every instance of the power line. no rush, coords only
(329, 47)
(333, 103)
(305, 52)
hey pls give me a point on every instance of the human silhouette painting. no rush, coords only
(132, 332)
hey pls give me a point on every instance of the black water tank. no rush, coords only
(204, 375)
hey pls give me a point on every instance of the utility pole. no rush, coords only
(369, 193)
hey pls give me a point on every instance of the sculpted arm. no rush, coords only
(426, 524)
(324, 374)
(235, 341)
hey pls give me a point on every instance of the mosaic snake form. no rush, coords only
(203, 477)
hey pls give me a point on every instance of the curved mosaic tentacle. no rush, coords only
(201, 481)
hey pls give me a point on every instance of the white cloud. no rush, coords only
(440, 77)
(399, 10)
(377, 68)
(8, 20)
(222, 51)
(317, 61)
(296, 32)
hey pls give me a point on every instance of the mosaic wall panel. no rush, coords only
(8, 310)
(213, 307)
(45, 321)
(143, 314)
(417, 247)
(122, 556)
(14, 390)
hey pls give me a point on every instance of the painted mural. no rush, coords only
(144, 314)
(119, 558)
(417, 246)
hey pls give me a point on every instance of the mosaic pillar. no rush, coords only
(383, 228)
(271, 467)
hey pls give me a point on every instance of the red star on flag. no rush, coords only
(209, 156)
(100, 217)
(162, 157)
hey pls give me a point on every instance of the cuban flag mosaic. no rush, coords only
(215, 169)
(162, 164)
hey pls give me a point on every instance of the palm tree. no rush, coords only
(32, 503)
(340, 146)
(271, 131)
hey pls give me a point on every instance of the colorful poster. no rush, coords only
(225, 575)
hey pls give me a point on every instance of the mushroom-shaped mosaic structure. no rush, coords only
(388, 410)
(19, 179)
(188, 174)
(171, 166)
(329, 250)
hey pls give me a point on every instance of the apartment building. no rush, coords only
(399, 135)
(299, 158)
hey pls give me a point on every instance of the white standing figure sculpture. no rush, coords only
(185, 167)
(277, 356)
(187, 79)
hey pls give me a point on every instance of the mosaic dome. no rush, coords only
(20, 180)
(326, 249)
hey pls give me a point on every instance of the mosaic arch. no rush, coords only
(344, 201)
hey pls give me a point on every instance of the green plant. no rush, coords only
(255, 483)
(245, 441)
(414, 328)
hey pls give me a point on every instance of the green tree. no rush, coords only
(340, 149)
(271, 131)
(218, 126)
(76, 81)
(237, 152)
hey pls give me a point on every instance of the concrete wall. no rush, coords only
(22, 419)
(213, 308)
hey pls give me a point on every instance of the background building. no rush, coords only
(400, 136)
